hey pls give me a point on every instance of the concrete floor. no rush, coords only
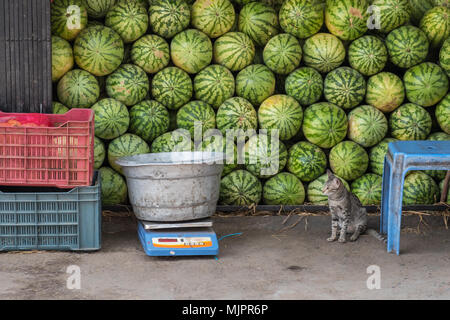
(262, 263)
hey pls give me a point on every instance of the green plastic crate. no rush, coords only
(51, 220)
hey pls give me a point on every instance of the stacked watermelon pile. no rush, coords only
(338, 79)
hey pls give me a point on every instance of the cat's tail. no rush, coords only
(376, 235)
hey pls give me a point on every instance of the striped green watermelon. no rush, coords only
(149, 119)
(419, 188)
(367, 126)
(407, 46)
(259, 21)
(348, 160)
(436, 25)
(306, 160)
(234, 50)
(392, 13)
(347, 19)
(305, 85)
(345, 87)
(169, 17)
(68, 18)
(282, 113)
(172, 87)
(99, 153)
(443, 114)
(114, 187)
(444, 56)
(255, 83)
(264, 156)
(284, 189)
(426, 84)
(315, 190)
(439, 136)
(324, 124)
(282, 54)
(385, 91)
(123, 146)
(236, 114)
(111, 118)
(151, 53)
(129, 19)
(128, 84)
(214, 85)
(377, 155)
(368, 55)
(410, 122)
(217, 143)
(98, 50)
(444, 3)
(62, 57)
(418, 9)
(214, 18)
(441, 188)
(301, 18)
(78, 89)
(59, 108)
(368, 189)
(240, 188)
(98, 8)
(191, 50)
(323, 52)
(178, 140)
(196, 112)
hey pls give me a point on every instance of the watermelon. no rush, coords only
(78, 89)
(392, 13)
(377, 155)
(113, 187)
(99, 153)
(240, 188)
(368, 189)
(444, 56)
(124, 146)
(349, 160)
(347, 19)
(284, 189)
(98, 8)
(191, 50)
(367, 126)
(441, 188)
(385, 91)
(420, 188)
(436, 25)
(255, 83)
(315, 190)
(111, 118)
(214, 143)
(214, 85)
(282, 54)
(129, 19)
(128, 84)
(98, 50)
(325, 124)
(236, 114)
(62, 57)
(306, 160)
(196, 113)
(149, 119)
(368, 55)
(282, 113)
(259, 21)
(443, 114)
(324, 52)
(345, 87)
(426, 84)
(445, 3)
(178, 140)
(59, 108)
(214, 18)
(169, 17)
(301, 18)
(234, 50)
(439, 136)
(68, 18)
(172, 87)
(305, 85)
(410, 122)
(418, 9)
(151, 53)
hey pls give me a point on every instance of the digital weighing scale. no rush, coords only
(187, 238)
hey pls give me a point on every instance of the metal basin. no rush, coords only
(175, 186)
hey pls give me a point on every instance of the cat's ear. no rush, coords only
(329, 173)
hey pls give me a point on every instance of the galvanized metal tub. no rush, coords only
(175, 186)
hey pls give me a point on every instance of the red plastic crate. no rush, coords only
(61, 155)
